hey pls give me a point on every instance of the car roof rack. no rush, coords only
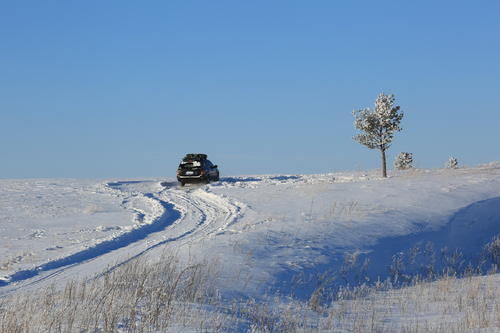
(195, 157)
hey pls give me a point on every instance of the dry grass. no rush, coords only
(449, 304)
(171, 297)
(136, 297)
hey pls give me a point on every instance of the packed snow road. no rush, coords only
(264, 234)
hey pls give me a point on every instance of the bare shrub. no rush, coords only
(492, 251)
(274, 315)
(344, 209)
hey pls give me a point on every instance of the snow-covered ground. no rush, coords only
(268, 235)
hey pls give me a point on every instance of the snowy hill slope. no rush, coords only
(269, 234)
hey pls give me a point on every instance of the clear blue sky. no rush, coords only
(125, 88)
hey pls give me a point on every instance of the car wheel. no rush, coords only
(182, 183)
(217, 177)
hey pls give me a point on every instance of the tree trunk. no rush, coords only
(384, 166)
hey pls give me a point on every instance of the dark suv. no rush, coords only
(196, 168)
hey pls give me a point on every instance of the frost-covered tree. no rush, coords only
(403, 161)
(452, 163)
(378, 125)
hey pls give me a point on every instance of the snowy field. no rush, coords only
(272, 235)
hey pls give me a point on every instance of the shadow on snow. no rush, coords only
(125, 182)
(456, 246)
(283, 178)
(239, 180)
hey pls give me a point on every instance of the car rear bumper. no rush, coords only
(193, 179)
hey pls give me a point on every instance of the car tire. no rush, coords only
(182, 183)
(216, 177)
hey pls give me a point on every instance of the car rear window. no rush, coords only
(190, 164)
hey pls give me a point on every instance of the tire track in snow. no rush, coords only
(200, 217)
(159, 222)
(186, 217)
(204, 214)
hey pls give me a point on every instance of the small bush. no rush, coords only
(492, 251)
(403, 161)
(452, 163)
